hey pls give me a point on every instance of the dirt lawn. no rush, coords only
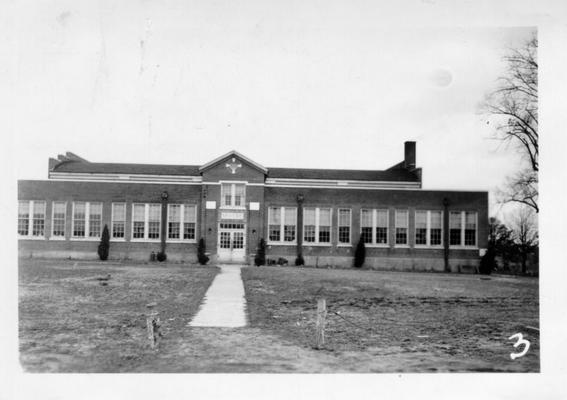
(387, 322)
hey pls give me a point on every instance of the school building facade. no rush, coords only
(232, 202)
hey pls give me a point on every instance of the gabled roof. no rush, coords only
(72, 163)
(236, 154)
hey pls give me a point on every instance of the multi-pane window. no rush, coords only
(344, 221)
(435, 228)
(421, 227)
(59, 212)
(34, 226)
(470, 229)
(87, 219)
(282, 222)
(189, 221)
(95, 219)
(233, 195)
(138, 221)
(154, 221)
(401, 226)
(181, 220)
(366, 223)
(455, 228)
(462, 228)
(23, 218)
(428, 228)
(317, 225)
(118, 220)
(374, 226)
(79, 219)
(381, 226)
(146, 221)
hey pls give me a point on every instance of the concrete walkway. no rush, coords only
(224, 304)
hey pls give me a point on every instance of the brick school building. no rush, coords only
(233, 202)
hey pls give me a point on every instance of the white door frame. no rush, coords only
(235, 252)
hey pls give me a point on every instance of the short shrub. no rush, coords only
(282, 261)
(299, 260)
(203, 258)
(161, 256)
(260, 258)
(359, 254)
(104, 246)
(488, 262)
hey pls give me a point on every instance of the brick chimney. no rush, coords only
(409, 155)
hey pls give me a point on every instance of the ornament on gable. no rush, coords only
(233, 166)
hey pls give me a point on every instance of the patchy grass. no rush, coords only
(392, 321)
(74, 318)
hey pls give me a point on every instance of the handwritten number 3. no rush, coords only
(520, 341)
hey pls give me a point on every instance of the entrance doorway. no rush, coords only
(232, 242)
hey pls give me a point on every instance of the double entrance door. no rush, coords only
(232, 242)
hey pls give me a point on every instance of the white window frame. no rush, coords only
(463, 228)
(428, 230)
(181, 223)
(146, 224)
(30, 234)
(112, 221)
(317, 227)
(281, 210)
(349, 243)
(233, 185)
(87, 221)
(52, 236)
(375, 225)
(406, 244)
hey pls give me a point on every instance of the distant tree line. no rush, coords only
(515, 246)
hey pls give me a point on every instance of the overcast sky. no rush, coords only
(288, 85)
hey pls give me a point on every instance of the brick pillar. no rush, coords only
(300, 225)
(164, 197)
(446, 234)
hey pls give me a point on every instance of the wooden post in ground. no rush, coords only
(153, 326)
(320, 324)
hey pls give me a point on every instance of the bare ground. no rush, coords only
(389, 322)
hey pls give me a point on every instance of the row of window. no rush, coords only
(374, 226)
(87, 220)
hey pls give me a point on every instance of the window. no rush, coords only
(233, 195)
(344, 225)
(374, 226)
(421, 227)
(317, 225)
(24, 218)
(118, 220)
(154, 220)
(436, 228)
(282, 222)
(402, 227)
(463, 228)
(138, 221)
(146, 221)
(59, 213)
(470, 229)
(34, 226)
(455, 228)
(428, 228)
(87, 219)
(95, 219)
(181, 220)
(381, 226)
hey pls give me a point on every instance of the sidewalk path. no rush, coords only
(224, 304)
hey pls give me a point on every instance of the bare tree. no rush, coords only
(525, 233)
(513, 107)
